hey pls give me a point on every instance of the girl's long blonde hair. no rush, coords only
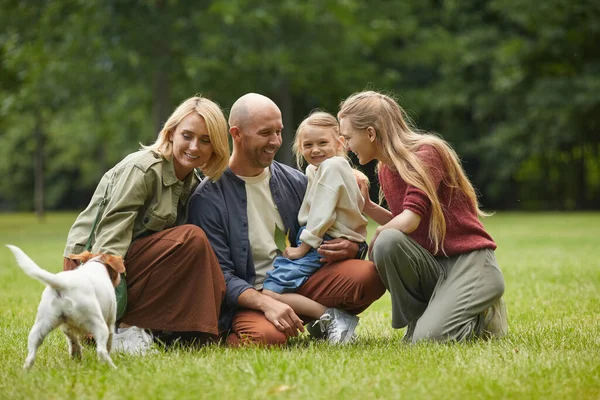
(399, 143)
(217, 131)
(321, 119)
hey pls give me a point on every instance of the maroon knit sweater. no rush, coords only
(464, 231)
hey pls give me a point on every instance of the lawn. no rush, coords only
(552, 276)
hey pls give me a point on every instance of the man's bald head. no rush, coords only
(247, 107)
(255, 126)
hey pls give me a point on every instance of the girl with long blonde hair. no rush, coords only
(432, 252)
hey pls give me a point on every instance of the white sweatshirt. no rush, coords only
(332, 204)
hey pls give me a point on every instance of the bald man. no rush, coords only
(240, 213)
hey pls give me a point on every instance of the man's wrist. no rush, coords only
(363, 249)
(261, 301)
(252, 299)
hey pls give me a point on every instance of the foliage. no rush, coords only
(511, 84)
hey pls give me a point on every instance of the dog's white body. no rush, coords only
(82, 301)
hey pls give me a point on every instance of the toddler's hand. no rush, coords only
(293, 253)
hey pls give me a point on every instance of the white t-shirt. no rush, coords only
(263, 217)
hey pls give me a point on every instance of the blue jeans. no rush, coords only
(288, 275)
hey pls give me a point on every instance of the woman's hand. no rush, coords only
(407, 221)
(374, 238)
(364, 191)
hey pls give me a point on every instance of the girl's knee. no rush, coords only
(389, 239)
(388, 242)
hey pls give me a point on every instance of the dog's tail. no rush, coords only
(34, 271)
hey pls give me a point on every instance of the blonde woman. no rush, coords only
(138, 212)
(431, 251)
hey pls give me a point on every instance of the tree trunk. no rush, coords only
(161, 83)
(105, 142)
(551, 191)
(580, 179)
(284, 155)
(161, 96)
(38, 178)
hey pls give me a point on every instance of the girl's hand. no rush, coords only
(294, 253)
(373, 239)
(407, 222)
(364, 191)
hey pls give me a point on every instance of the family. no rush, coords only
(203, 254)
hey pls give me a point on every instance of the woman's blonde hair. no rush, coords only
(399, 143)
(321, 119)
(217, 131)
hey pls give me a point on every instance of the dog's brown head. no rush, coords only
(114, 264)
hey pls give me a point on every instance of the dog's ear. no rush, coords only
(115, 262)
(83, 257)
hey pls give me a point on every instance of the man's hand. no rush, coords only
(337, 250)
(282, 316)
(279, 314)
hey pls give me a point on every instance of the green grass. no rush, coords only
(550, 262)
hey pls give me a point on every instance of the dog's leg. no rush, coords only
(101, 333)
(73, 342)
(109, 342)
(40, 329)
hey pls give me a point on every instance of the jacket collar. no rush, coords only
(169, 178)
(168, 172)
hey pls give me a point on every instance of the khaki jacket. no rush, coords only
(143, 196)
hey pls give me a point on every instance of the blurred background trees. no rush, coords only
(514, 85)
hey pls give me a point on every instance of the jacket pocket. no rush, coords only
(154, 222)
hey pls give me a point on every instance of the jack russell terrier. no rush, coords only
(82, 301)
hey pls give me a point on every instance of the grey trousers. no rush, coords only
(440, 298)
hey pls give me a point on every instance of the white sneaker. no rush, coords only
(495, 323)
(410, 331)
(132, 340)
(339, 326)
(318, 329)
